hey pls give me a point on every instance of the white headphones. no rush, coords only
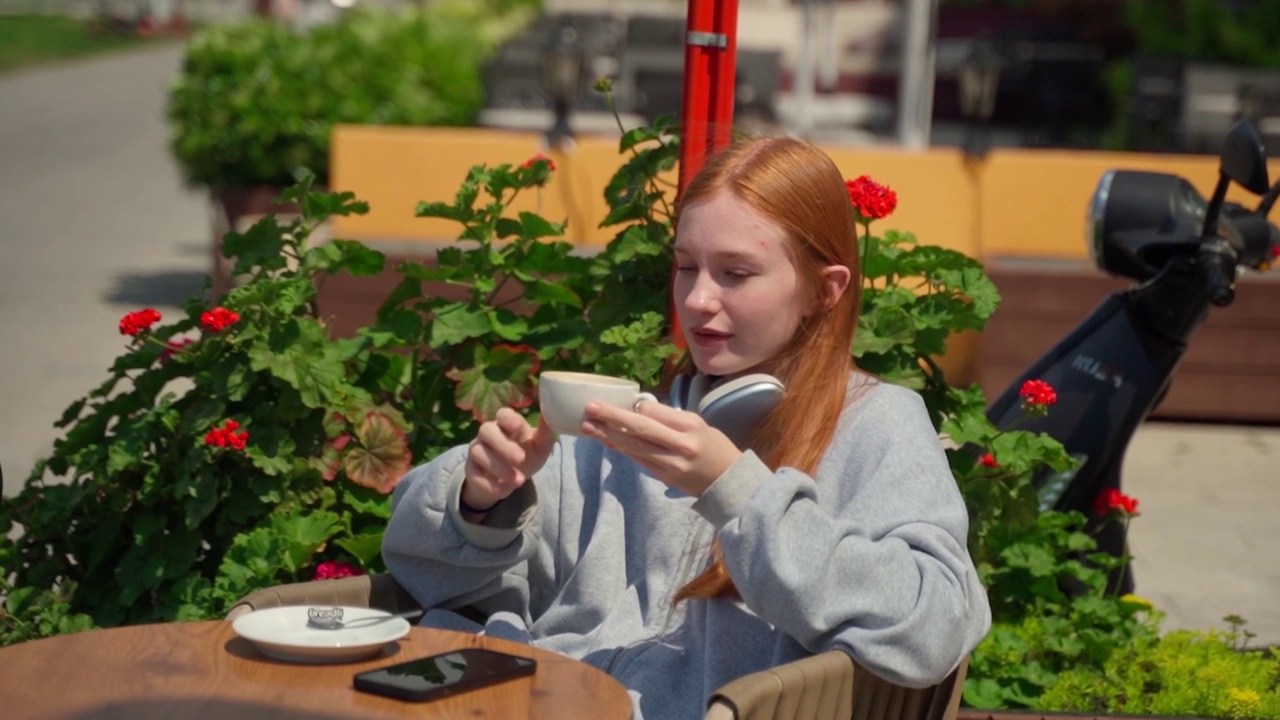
(734, 407)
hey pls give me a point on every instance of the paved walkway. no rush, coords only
(94, 222)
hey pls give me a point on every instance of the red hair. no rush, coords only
(799, 188)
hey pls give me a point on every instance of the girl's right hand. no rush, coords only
(505, 453)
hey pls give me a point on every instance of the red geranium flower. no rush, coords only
(871, 200)
(219, 319)
(329, 570)
(989, 460)
(226, 436)
(1038, 392)
(551, 164)
(135, 322)
(1114, 501)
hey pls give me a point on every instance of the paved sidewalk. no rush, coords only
(1209, 498)
(94, 222)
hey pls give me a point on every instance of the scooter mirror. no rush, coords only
(1244, 158)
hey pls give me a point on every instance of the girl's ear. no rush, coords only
(834, 281)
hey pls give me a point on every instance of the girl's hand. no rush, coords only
(506, 451)
(677, 446)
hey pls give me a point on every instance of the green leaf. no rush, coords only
(636, 136)
(261, 246)
(374, 507)
(983, 693)
(542, 292)
(969, 428)
(507, 227)
(1067, 645)
(19, 599)
(381, 456)
(308, 528)
(71, 413)
(423, 272)
(320, 206)
(625, 213)
(345, 255)
(271, 449)
(882, 330)
(300, 189)
(457, 322)
(508, 325)
(444, 210)
(299, 354)
(550, 258)
(534, 227)
(395, 327)
(1032, 558)
(499, 377)
(365, 548)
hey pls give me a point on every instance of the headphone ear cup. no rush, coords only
(758, 382)
(679, 392)
(737, 407)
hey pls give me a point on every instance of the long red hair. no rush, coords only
(798, 187)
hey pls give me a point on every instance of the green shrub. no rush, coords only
(256, 101)
(1208, 30)
(1205, 674)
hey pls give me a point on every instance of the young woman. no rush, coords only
(656, 549)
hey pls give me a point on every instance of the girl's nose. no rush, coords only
(704, 297)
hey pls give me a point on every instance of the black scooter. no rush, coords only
(1113, 370)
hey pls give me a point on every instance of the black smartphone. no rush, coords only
(437, 676)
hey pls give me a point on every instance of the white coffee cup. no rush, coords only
(563, 397)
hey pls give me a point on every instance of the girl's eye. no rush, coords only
(686, 268)
(738, 274)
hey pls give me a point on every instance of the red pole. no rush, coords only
(706, 109)
(706, 112)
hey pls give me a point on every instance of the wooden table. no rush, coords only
(204, 670)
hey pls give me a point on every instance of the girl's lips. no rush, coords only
(707, 337)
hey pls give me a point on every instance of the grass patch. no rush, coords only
(30, 39)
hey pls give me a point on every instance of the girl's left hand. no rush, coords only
(677, 446)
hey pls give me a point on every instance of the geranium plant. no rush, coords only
(199, 468)
(1045, 580)
(240, 445)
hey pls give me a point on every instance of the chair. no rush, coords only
(826, 686)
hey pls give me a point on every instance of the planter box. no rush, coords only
(1231, 372)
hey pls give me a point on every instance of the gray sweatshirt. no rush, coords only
(868, 556)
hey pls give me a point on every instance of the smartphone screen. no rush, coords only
(445, 674)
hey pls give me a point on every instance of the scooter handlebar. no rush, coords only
(1218, 267)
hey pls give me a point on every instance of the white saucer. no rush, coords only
(283, 633)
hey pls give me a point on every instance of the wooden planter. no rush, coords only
(1231, 372)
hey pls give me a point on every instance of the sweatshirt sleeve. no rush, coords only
(444, 561)
(871, 556)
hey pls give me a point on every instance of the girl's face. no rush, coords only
(736, 288)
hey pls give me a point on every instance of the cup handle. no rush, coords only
(635, 406)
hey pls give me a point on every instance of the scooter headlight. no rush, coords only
(1095, 215)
